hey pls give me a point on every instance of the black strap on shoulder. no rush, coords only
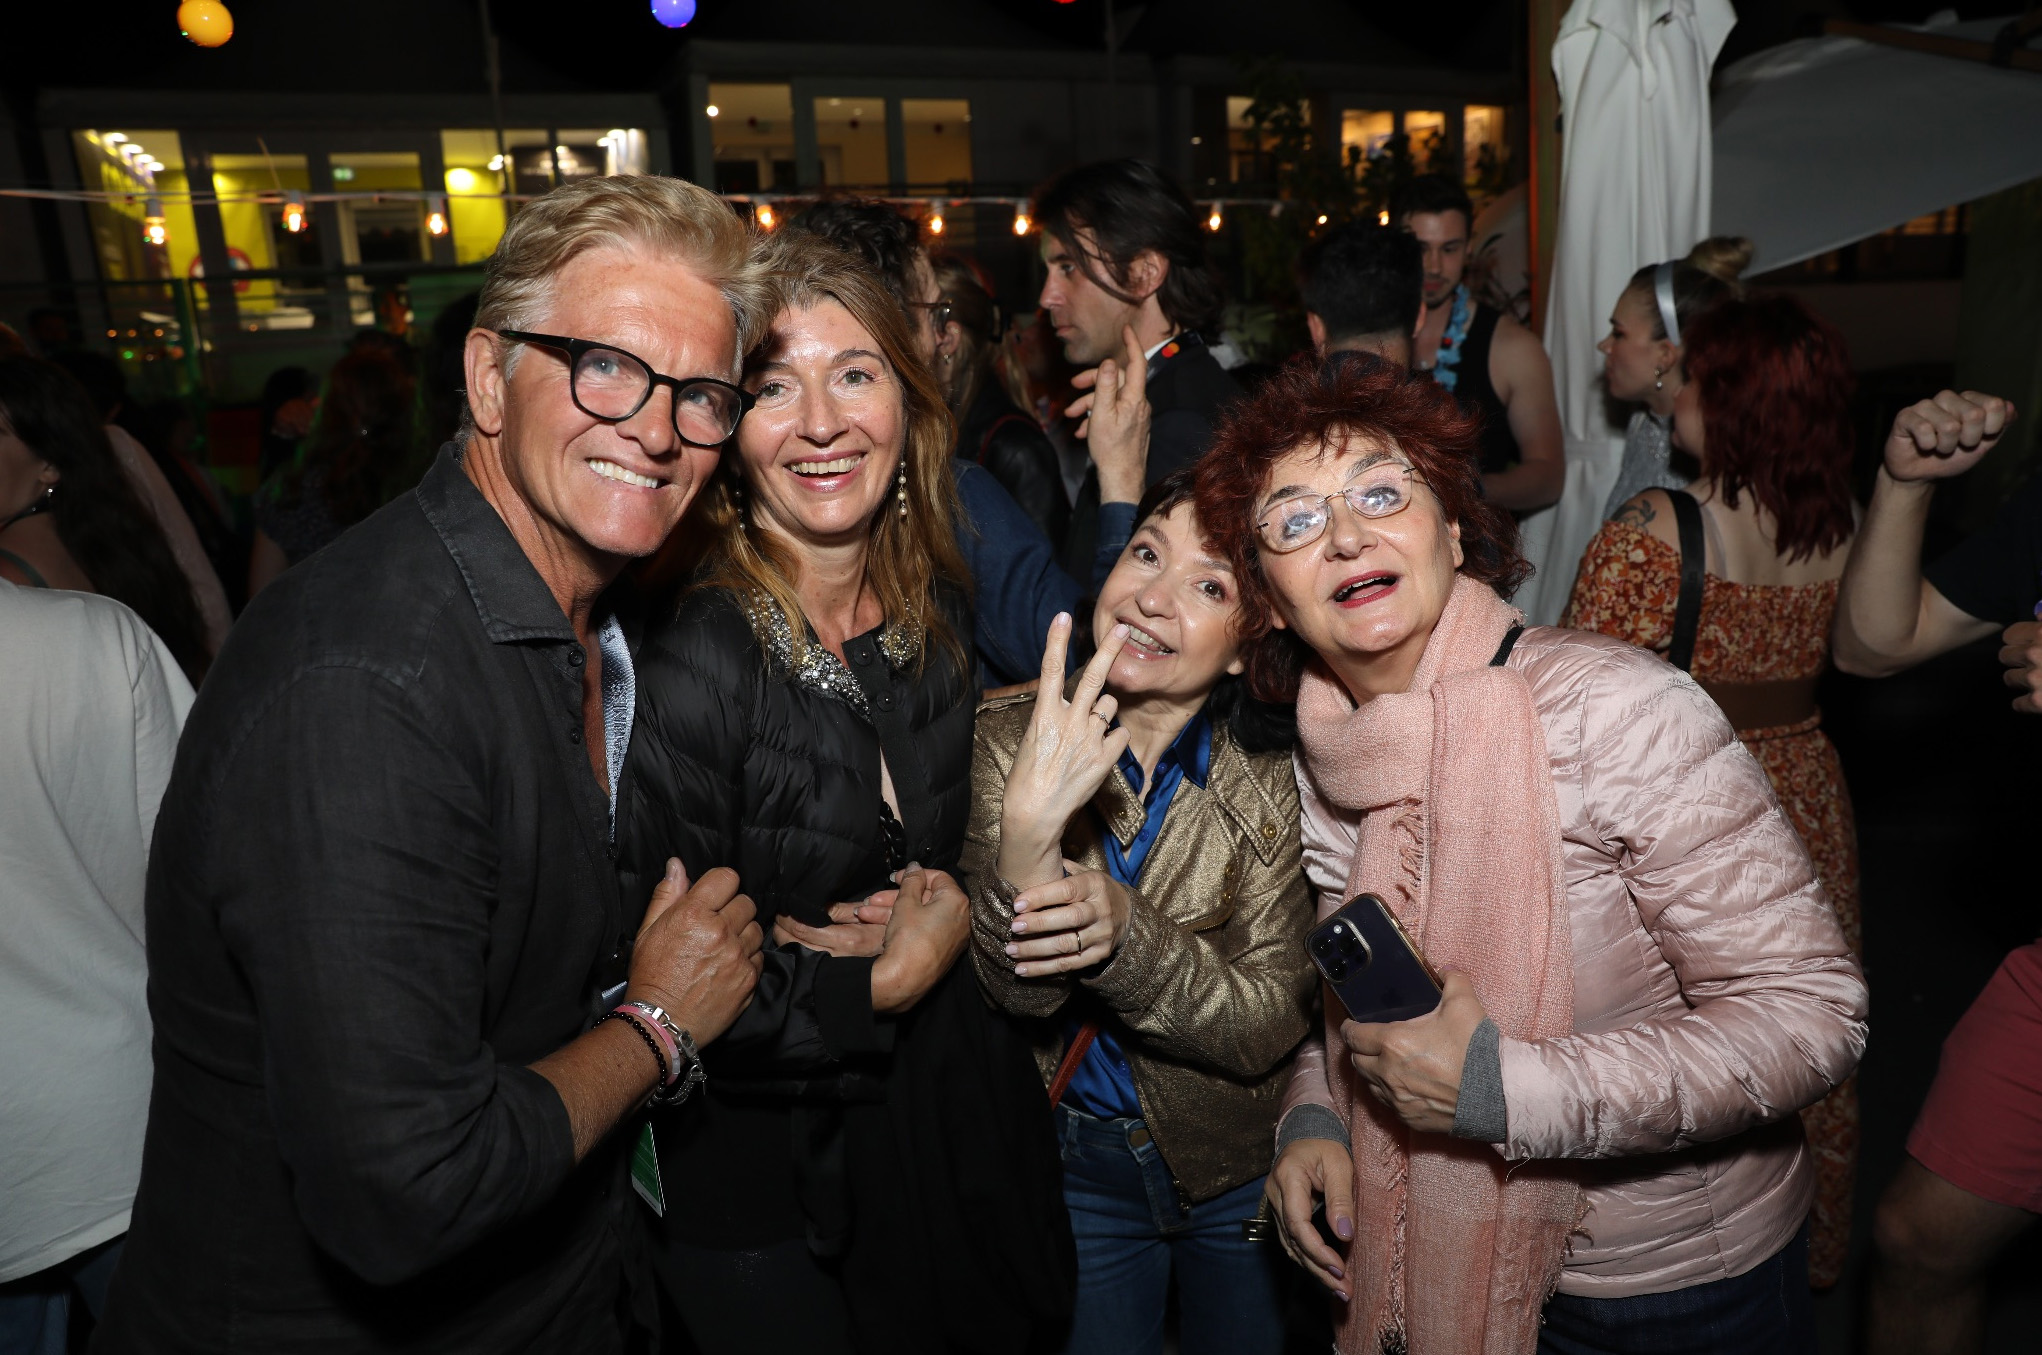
(1687, 611)
(985, 442)
(1503, 650)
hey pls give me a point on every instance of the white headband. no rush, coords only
(1662, 287)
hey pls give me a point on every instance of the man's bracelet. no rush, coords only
(685, 1061)
(652, 1042)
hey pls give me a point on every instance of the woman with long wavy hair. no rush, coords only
(872, 1165)
(1764, 406)
(362, 452)
(69, 517)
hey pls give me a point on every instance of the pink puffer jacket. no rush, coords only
(1713, 992)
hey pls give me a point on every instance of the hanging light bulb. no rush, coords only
(765, 216)
(1322, 218)
(674, 13)
(1383, 217)
(1022, 225)
(205, 22)
(936, 221)
(294, 212)
(1213, 222)
(153, 228)
(436, 215)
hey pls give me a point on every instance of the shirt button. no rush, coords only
(886, 703)
(574, 736)
(576, 657)
(862, 657)
(1269, 830)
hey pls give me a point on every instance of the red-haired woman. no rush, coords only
(1590, 1145)
(1764, 407)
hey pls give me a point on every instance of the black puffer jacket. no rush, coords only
(921, 1134)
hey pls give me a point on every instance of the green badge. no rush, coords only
(645, 1171)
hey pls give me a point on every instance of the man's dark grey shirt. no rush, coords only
(381, 885)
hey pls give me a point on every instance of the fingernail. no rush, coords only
(1338, 1273)
(673, 869)
(1123, 629)
(1343, 1295)
(1062, 619)
(1020, 971)
(1020, 925)
(1345, 1228)
(1013, 952)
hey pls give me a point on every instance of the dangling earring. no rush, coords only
(1659, 378)
(903, 486)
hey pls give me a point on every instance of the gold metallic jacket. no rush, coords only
(1211, 979)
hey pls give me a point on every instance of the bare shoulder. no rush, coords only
(1652, 514)
(1517, 360)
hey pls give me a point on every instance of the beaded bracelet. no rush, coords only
(633, 1020)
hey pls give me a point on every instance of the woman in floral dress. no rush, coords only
(1764, 409)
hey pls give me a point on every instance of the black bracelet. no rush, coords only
(658, 1054)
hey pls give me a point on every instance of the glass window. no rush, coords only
(1364, 132)
(257, 238)
(380, 232)
(850, 140)
(937, 134)
(475, 186)
(1248, 148)
(140, 163)
(1426, 131)
(751, 132)
(1484, 151)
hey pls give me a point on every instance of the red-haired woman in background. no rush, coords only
(1765, 409)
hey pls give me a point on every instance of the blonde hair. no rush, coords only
(909, 556)
(1705, 279)
(671, 218)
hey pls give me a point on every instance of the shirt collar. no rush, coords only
(510, 597)
(1190, 752)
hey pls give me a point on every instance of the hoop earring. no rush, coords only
(902, 490)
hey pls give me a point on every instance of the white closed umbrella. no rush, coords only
(1635, 165)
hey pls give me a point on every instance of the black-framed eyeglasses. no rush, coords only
(1381, 491)
(939, 312)
(608, 382)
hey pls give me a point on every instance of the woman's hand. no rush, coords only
(1945, 435)
(1414, 1067)
(1313, 1169)
(1064, 758)
(930, 923)
(856, 929)
(1072, 923)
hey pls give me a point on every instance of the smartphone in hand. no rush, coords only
(1371, 964)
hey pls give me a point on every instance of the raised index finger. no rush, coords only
(1093, 681)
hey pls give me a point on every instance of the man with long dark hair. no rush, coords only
(1130, 286)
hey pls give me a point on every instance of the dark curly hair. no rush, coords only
(874, 232)
(1775, 386)
(100, 519)
(1310, 405)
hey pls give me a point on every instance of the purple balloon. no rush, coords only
(673, 13)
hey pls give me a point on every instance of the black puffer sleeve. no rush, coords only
(700, 677)
(1021, 457)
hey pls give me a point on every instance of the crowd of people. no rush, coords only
(798, 827)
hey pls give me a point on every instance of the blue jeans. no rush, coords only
(1133, 1229)
(35, 1310)
(1765, 1311)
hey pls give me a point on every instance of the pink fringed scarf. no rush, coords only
(1453, 1254)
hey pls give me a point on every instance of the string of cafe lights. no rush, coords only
(766, 208)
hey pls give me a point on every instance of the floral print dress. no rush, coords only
(1627, 588)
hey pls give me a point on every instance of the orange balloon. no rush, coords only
(206, 22)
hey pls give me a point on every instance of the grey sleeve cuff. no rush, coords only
(1481, 1114)
(1309, 1121)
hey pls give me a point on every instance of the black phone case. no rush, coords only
(1378, 974)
